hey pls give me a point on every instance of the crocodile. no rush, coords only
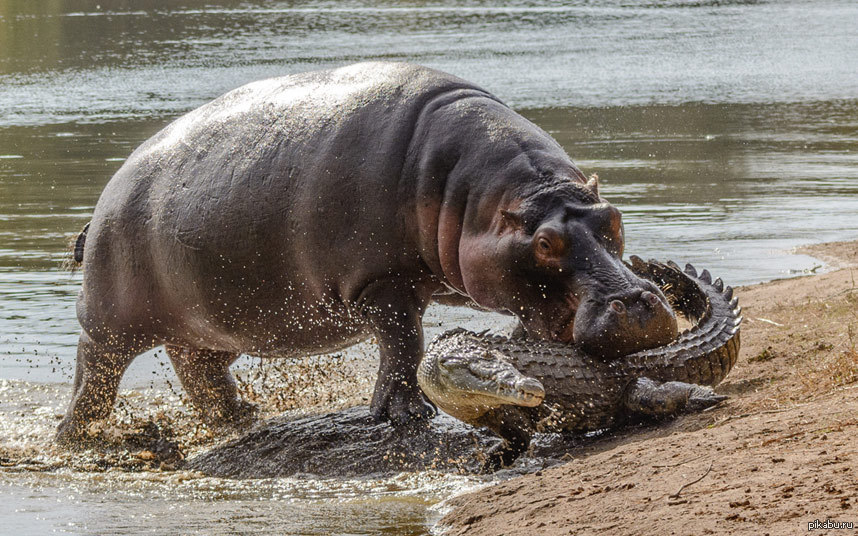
(516, 387)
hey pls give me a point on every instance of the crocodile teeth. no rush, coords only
(718, 284)
(706, 277)
(690, 270)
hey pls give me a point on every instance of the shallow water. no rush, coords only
(82, 503)
(727, 132)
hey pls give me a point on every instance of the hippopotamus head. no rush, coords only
(553, 258)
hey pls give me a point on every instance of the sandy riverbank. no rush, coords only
(780, 453)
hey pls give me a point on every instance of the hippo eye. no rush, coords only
(548, 247)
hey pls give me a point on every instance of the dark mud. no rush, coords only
(346, 443)
(349, 443)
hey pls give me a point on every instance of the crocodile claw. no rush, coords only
(702, 397)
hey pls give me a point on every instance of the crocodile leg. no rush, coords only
(655, 399)
(513, 425)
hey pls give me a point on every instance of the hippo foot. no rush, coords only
(702, 397)
(403, 407)
(70, 435)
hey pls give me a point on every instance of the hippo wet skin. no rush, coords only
(303, 214)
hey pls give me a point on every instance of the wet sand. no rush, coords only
(779, 454)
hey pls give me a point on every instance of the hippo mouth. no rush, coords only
(565, 332)
(557, 324)
(607, 324)
(623, 322)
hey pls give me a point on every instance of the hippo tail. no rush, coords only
(76, 258)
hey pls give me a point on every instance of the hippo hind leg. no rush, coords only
(99, 369)
(205, 376)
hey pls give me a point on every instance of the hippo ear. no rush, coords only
(510, 221)
(593, 184)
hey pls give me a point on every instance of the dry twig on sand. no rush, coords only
(676, 495)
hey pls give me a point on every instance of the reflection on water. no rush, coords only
(732, 187)
(726, 131)
(45, 490)
(112, 59)
(191, 504)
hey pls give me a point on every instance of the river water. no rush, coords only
(726, 131)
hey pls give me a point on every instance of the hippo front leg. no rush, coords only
(655, 399)
(395, 312)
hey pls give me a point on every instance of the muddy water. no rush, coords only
(726, 131)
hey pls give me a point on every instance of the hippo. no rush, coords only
(302, 214)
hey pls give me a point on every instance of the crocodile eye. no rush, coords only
(450, 361)
(544, 245)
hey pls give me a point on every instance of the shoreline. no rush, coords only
(780, 454)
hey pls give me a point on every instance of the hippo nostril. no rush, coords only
(650, 298)
(618, 306)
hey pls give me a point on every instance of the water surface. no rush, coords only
(727, 132)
